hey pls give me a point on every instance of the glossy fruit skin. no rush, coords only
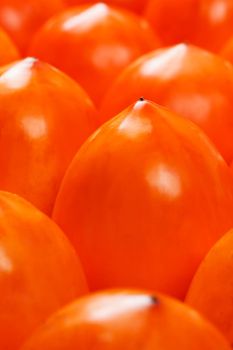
(98, 42)
(126, 319)
(45, 117)
(205, 23)
(132, 5)
(192, 82)
(143, 211)
(212, 286)
(39, 270)
(21, 19)
(8, 51)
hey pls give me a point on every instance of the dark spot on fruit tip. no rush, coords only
(154, 300)
(141, 99)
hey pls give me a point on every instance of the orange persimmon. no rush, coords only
(144, 199)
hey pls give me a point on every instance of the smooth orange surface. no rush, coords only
(174, 20)
(93, 44)
(22, 18)
(206, 23)
(39, 270)
(144, 200)
(133, 5)
(8, 51)
(44, 118)
(227, 51)
(212, 287)
(215, 24)
(126, 319)
(190, 81)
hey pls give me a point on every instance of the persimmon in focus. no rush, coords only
(192, 82)
(93, 44)
(45, 117)
(126, 319)
(212, 287)
(39, 270)
(8, 51)
(22, 18)
(143, 201)
(132, 5)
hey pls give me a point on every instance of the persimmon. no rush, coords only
(215, 24)
(126, 319)
(192, 82)
(205, 23)
(39, 270)
(93, 44)
(227, 51)
(212, 287)
(21, 19)
(143, 201)
(8, 51)
(45, 117)
(175, 21)
(133, 5)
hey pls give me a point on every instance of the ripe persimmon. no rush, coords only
(93, 44)
(8, 50)
(44, 116)
(144, 199)
(205, 23)
(133, 5)
(212, 287)
(126, 319)
(21, 19)
(192, 82)
(174, 20)
(39, 270)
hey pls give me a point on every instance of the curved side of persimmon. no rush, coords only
(45, 117)
(39, 270)
(21, 19)
(212, 287)
(227, 51)
(175, 21)
(8, 50)
(132, 5)
(205, 23)
(188, 80)
(98, 42)
(126, 319)
(143, 211)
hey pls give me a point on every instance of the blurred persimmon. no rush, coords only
(22, 18)
(227, 51)
(206, 23)
(93, 44)
(8, 51)
(133, 5)
(174, 20)
(215, 24)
